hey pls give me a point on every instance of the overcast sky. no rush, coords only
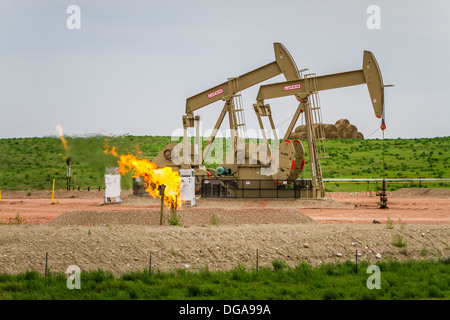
(131, 66)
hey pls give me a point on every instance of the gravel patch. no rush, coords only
(189, 216)
(126, 248)
(421, 193)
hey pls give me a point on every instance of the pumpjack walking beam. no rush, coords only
(283, 64)
(370, 74)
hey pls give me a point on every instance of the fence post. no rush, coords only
(46, 264)
(161, 193)
(257, 260)
(150, 265)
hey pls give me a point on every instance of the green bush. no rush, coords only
(279, 265)
(214, 220)
(389, 223)
(399, 241)
(174, 218)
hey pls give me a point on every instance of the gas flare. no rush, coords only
(61, 136)
(153, 177)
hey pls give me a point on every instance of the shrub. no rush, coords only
(399, 242)
(424, 251)
(17, 220)
(279, 265)
(174, 218)
(389, 223)
(214, 220)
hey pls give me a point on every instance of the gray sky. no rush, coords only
(131, 66)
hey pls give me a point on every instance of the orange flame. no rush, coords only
(153, 176)
(112, 151)
(61, 136)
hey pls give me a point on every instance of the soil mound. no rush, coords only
(190, 216)
(421, 193)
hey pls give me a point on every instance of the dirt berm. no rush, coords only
(188, 217)
(421, 193)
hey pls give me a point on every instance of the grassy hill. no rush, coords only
(33, 163)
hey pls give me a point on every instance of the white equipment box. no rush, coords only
(187, 192)
(112, 187)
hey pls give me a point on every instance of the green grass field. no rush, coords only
(33, 163)
(425, 279)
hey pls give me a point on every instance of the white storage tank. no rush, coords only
(187, 192)
(112, 185)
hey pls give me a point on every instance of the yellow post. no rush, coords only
(53, 190)
(0, 194)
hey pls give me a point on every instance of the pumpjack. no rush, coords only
(267, 170)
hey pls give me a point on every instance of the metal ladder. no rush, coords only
(237, 108)
(316, 132)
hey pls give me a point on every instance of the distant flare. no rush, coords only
(61, 136)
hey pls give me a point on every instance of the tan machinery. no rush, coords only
(253, 172)
(306, 91)
(241, 165)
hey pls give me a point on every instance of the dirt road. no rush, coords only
(408, 207)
